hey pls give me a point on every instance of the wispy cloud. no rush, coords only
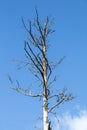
(72, 122)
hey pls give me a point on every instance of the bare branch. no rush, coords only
(22, 63)
(49, 69)
(59, 62)
(37, 67)
(55, 115)
(25, 25)
(62, 100)
(39, 63)
(34, 42)
(52, 96)
(26, 92)
(35, 74)
(52, 82)
(38, 23)
(10, 79)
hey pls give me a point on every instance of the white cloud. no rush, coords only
(72, 122)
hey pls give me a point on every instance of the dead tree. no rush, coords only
(36, 48)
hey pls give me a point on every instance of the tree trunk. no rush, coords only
(45, 114)
(45, 100)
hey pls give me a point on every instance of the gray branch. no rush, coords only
(62, 100)
(26, 92)
(61, 97)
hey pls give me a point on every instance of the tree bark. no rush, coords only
(45, 100)
(45, 114)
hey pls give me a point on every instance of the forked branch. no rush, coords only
(26, 92)
(60, 98)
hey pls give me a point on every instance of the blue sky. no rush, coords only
(70, 39)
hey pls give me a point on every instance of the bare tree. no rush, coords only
(36, 48)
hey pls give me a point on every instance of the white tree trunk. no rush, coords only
(45, 100)
(45, 114)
